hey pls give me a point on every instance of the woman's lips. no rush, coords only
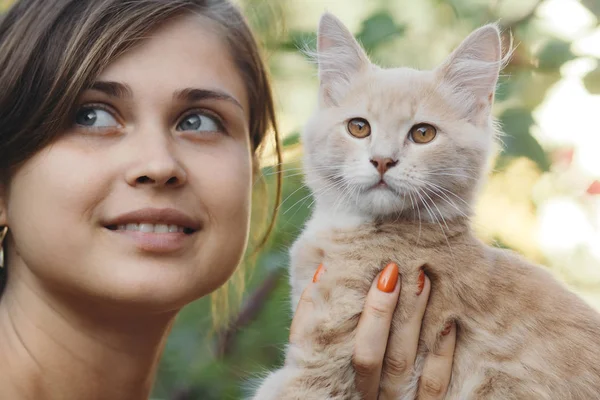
(154, 242)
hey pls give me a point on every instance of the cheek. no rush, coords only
(48, 201)
(356, 156)
(446, 164)
(340, 150)
(335, 154)
(226, 189)
(227, 183)
(48, 188)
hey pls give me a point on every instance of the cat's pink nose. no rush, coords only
(383, 164)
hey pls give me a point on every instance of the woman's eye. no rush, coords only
(200, 123)
(95, 118)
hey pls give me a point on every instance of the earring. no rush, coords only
(2, 236)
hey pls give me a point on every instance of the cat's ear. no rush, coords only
(472, 69)
(339, 56)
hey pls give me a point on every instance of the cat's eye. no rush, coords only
(422, 133)
(359, 127)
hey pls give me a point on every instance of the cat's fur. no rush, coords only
(520, 333)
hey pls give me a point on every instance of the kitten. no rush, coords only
(394, 158)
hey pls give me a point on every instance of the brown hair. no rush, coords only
(52, 50)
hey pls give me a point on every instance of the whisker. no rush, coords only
(418, 213)
(454, 169)
(438, 210)
(446, 199)
(440, 225)
(444, 190)
(304, 168)
(456, 175)
(340, 198)
(431, 186)
(290, 195)
(331, 185)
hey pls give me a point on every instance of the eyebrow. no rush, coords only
(190, 95)
(113, 89)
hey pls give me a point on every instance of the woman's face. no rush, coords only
(146, 198)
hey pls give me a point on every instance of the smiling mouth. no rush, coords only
(151, 228)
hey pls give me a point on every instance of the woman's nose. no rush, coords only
(157, 166)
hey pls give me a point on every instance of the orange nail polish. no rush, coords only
(388, 278)
(420, 282)
(447, 328)
(318, 273)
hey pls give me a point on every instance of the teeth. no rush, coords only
(146, 228)
(151, 228)
(161, 228)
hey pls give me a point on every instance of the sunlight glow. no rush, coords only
(563, 226)
(570, 116)
(568, 220)
(567, 18)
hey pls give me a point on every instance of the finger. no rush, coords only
(304, 310)
(373, 331)
(402, 345)
(438, 366)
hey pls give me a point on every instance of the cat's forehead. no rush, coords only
(399, 93)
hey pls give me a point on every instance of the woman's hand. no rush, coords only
(373, 342)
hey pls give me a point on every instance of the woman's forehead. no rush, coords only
(188, 52)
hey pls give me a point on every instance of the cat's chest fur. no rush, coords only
(506, 308)
(351, 246)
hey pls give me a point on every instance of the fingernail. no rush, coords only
(318, 273)
(388, 278)
(421, 282)
(447, 328)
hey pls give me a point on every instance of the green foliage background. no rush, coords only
(200, 363)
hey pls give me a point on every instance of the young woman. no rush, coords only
(129, 141)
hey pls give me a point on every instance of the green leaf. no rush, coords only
(378, 29)
(593, 6)
(518, 141)
(554, 54)
(503, 89)
(529, 87)
(468, 9)
(299, 40)
(291, 140)
(592, 81)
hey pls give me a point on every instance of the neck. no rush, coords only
(441, 212)
(418, 227)
(56, 346)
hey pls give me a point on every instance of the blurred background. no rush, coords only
(542, 197)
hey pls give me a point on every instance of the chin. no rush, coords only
(383, 202)
(151, 286)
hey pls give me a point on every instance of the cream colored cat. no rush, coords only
(394, 158)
